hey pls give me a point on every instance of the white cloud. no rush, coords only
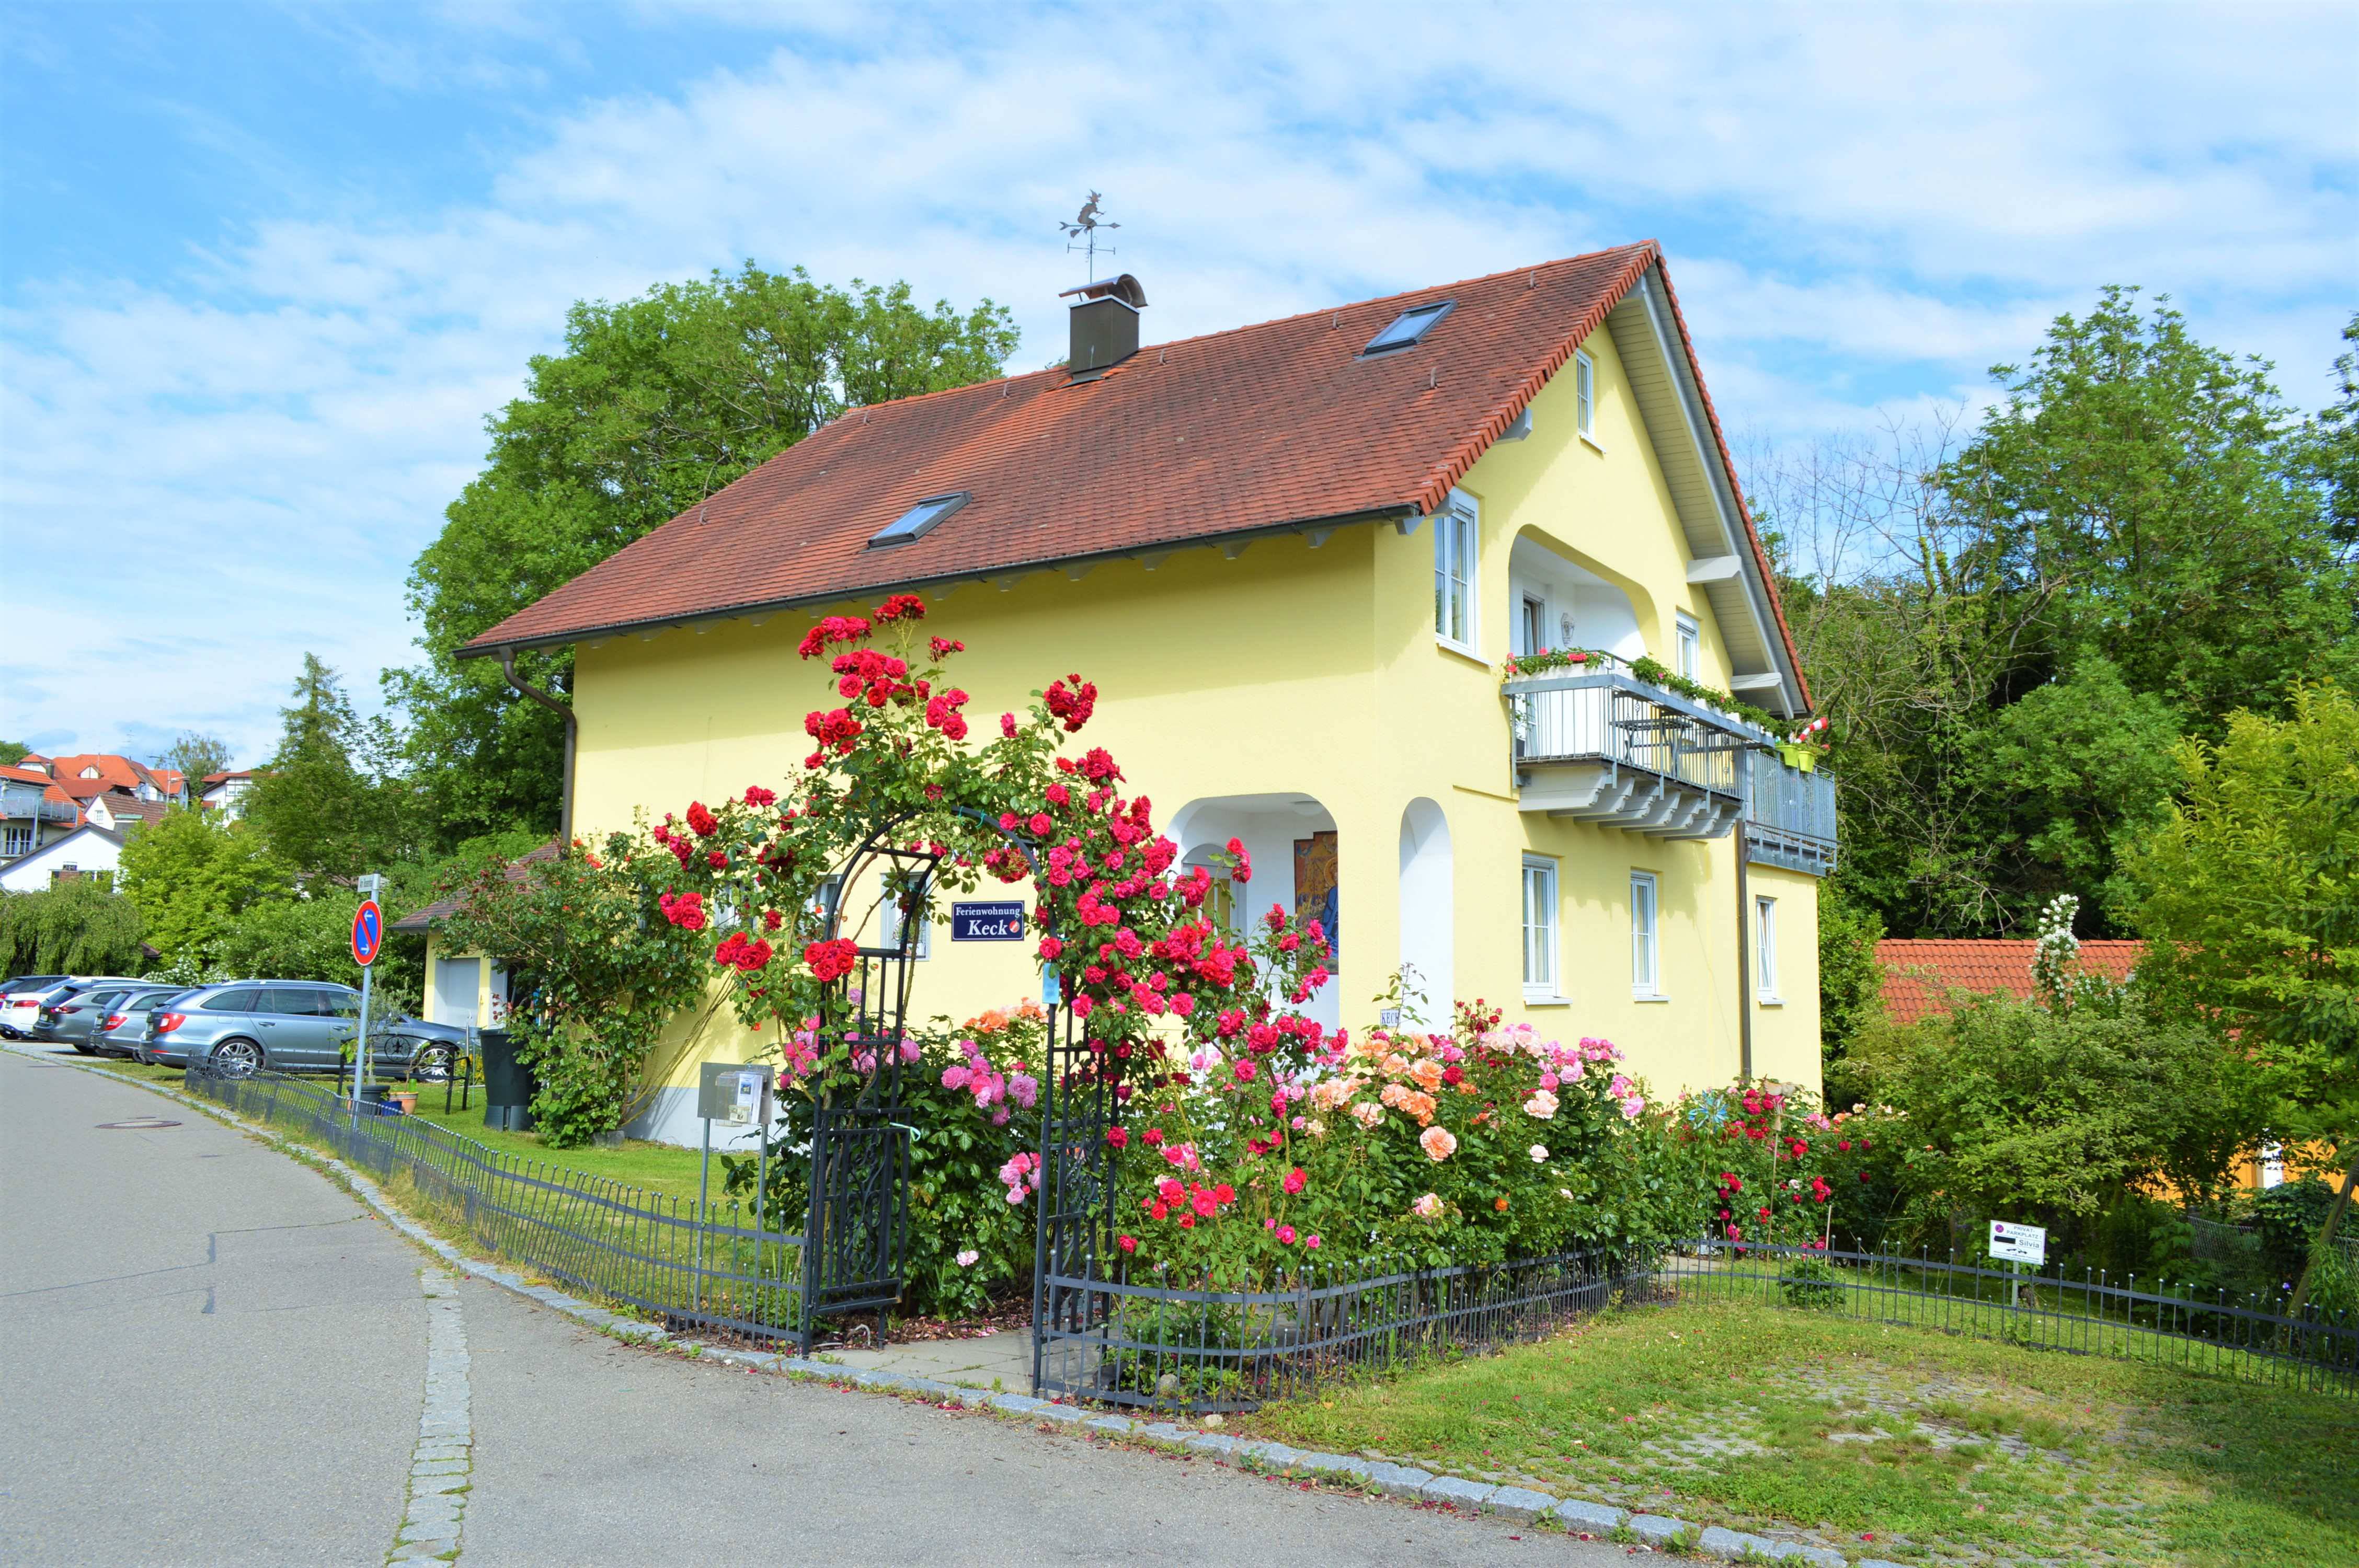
(1863, 207)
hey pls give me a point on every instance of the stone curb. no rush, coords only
(1276, 1458)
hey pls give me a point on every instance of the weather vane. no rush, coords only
(1086, 226)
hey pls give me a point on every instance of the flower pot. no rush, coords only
(406, 1099)
(1803, 759)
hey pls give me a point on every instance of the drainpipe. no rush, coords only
(1745, 936)
(564, 711)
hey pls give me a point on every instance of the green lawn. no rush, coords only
(1782, 1421)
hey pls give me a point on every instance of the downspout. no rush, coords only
(564, 711)
(1744, 938)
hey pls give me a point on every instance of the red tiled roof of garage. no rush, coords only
(1262, 427)
(1920, 973)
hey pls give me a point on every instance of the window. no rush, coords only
(19, 841)
(1646, 959)
(1765, 948)
(1408, 329)
(1539, 929)
(1531, 627)
(1584, 396)
(888, 924)
(920, 519)
(1455, 556)
(1690, 646)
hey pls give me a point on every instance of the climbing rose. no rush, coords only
(901, 607)
(1127, 1243)
(1541, 1105)
(967, 1259)
(756, 796)
(831, 960)
(1117, 1137)
(701, 821)
(1430, 1206)
(1295, 1180)
(1438, 1143)
(1072, 703)
(1539, 1154)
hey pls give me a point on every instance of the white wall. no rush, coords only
(1267, 824)
(90, 851)
(1601, 616)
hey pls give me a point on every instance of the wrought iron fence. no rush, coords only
(2220, 1333)
(713, 1269)
(1199, 1348)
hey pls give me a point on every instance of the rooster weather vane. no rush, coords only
(1086, 226)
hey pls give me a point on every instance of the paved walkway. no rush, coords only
(209, 1356)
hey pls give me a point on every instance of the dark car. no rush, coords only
(69, 1013)
(117, 1030)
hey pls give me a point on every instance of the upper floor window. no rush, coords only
(1645, 957)
(1765, 948)
(1584, 395)
(889, 919)
(18, 841)
(1456, 554)
(1690, 652)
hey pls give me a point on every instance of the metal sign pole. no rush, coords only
(365, 919)
(360, 1057)
(704, 1207)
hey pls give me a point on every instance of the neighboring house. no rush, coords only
(87, 851)
(117, 812)
(100, 771)
(226, 792)
(33, 812)
(1294, 557)
(1921, 974)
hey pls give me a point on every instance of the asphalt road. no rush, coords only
(209, 1353)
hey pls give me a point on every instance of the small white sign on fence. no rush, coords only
(2018, 1243)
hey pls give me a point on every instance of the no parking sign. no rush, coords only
(368, 933)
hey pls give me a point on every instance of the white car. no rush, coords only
(23, 996)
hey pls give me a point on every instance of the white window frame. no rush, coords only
(1687, 645)
(20, 841)
(1584, 397)
(1543, 981)
(1646, 937)
(1531, 619)
(888, 928)
(1457, 567)
(1765, 952)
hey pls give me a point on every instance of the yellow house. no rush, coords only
(1295, 558)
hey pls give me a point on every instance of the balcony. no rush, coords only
(1597, 744)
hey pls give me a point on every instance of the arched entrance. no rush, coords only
(1294, 844)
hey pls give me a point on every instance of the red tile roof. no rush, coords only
(1268, 427)
(1921, 973)
(113, 771)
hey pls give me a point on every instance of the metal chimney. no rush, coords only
(1104, 320)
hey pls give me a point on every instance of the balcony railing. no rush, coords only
(1596, 743)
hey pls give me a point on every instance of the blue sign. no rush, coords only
(986, 922)
(368, 933)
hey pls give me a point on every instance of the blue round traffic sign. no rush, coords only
(368, 933)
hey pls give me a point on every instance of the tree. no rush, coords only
(75, 927)
(2327, 453)
(1850, 984)
(655, 404)
(197, 758)
(324, 799)
(14, 751)
(310, 939)
(189, 878)
(2249, 896)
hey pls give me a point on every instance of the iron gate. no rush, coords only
(1073, 1316)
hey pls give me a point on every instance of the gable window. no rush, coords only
(1645, 957)
(1408, 329)
(1690, 646)
(1765, 950)
(1539, 929)
(1584, 396)
(1455, 558)
(921, 519)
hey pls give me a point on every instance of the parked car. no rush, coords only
(123, 1031)
(28, 995)
(28, 986)
(290, 1026)
(71, 1016)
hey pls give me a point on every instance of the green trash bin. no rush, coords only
(508, 1085)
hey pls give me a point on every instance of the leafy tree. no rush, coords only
(323, 799)
(1850, 984)
(2249, 894)
(310, 939)
(655, 404)
(76, 927)
(14, 751)
(190, 878)
(2327, 454)
(197, 758)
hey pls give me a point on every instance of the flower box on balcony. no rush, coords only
(1804, 759)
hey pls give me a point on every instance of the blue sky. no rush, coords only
(266, 268)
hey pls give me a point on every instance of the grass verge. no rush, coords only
(1875, 1440)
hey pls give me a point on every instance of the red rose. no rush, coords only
(701, 820)
(1118, 1136)
(1127, 1243)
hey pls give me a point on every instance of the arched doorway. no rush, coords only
(1293, 841)
(1428, 910)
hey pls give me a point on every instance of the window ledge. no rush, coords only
(1769, 1002)
(1594, 444)
(1649, 996)
(1548, 999)
(1461, 649)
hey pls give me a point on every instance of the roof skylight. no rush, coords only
(1408, 329)
(920, 519)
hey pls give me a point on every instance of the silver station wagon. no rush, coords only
(290, 1026)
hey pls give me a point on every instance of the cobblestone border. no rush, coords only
(442, 1466)
(1515, 1503)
